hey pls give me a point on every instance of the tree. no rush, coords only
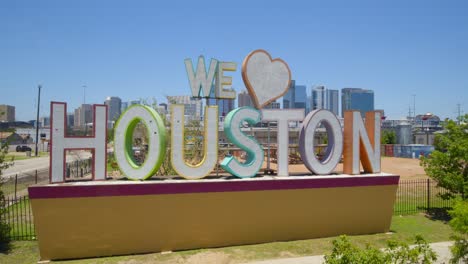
(459, 224)
(448, 163)
(388, 137)
(4, 227)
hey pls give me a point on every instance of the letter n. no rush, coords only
(60, 142)
(361, 143)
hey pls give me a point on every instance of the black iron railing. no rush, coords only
(413, 196)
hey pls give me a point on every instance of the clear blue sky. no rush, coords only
(137, 49)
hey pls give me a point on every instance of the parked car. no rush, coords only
(23, 148)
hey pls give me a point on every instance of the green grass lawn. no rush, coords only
(19, 216)
(403, 228)
(22, 155)
(412, 197)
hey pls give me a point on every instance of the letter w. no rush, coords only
(200, 81)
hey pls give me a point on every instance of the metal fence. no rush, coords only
(419, 196)
(18, 215)
(413, 196)
(17, 185)
(79, 168)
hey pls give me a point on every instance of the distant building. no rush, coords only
(224, 105)
(15, 125)
(134, 102)
(295, 97)
(7, 113)
(332, 101)
(288, 98)
(30, 134)
(300, 96)
(162, 108)
(427, 121)
(244, 99)
(323, 98)
(70, 119)
(32, 123)
(114, 108)
(382, 114)
(357, 99)
(123, 107)
(193, 106)
(13, 138)
(83, 116)
(318, 98)
(163, 105)
(44, 121)
(403, 132)
(309, 102)
(273, 105)
(419, 130)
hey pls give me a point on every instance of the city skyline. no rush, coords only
(82, 53)
(319, 97)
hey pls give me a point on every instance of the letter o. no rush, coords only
(335, 141)
(123, 137)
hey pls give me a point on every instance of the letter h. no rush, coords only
(60, 142)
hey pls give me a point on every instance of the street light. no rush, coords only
(37, 117)
(84, 102)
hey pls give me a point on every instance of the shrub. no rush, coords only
(344, 252)
(459, 224)
(4, 227)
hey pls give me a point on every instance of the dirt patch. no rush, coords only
(198, 258)
(208, 258)
(406, 168)
(286, 254)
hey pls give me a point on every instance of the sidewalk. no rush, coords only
(442, 250)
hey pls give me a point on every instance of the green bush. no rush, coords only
(4, 227)
(459, 224)
(344, 252)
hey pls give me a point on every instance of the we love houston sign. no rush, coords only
(107, 218)
(266, 80)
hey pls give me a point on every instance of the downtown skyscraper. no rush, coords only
(83, 115)
(323, 98)
(332, 101)
(243, 99)
(295, 97)
(357, 99)
(114, 108)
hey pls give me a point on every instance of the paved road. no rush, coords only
(442, 250)
(28, 166)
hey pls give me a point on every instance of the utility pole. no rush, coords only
(414, 107)
(84, 102)
(459, 113)
(37, 117)
(84, 93)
